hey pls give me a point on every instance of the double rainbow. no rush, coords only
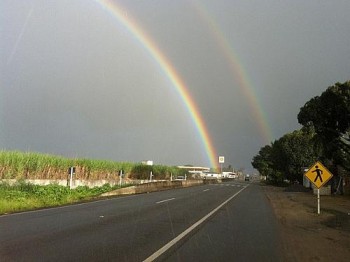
(237, 69)
(116, 11)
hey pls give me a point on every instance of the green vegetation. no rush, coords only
(140, 171)
(29, 165)
(18, 165)
(325, 136)
(24, 196)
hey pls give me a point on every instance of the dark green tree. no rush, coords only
(295, 151)
(263, 162)
(329, 116)
(287, 156)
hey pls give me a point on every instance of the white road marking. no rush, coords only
(206, 190)
(166, 200)
(221, 185)
(159, 252)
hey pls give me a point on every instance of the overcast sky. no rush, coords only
(76, 82)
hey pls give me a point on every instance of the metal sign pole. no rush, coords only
(318, 201)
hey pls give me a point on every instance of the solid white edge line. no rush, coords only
(166, 200)
(167, 246)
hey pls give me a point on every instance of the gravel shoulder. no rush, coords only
(306, 235)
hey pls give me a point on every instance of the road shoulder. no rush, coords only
(306, 235)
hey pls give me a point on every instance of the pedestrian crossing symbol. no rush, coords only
(318, 174)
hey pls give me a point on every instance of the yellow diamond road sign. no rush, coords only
(318, 174)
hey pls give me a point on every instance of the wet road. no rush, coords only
(231, 221)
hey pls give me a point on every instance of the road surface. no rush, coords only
(231, 221)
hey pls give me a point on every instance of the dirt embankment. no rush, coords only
(306, 235)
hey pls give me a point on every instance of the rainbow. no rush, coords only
(117, 12)
(238, 71)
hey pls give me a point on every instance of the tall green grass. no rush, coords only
(24, 196)
(31, 165)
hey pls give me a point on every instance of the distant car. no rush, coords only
(246, 178)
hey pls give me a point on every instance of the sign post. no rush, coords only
(319, 176)
(318, 202)
(221, 161)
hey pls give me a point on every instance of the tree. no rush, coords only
(325, 136)
(263, 163)
(329, 113)
(294, 151)
(329, 116)
(287, 156)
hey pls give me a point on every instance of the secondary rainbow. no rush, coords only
(238, 71)
(116, 11)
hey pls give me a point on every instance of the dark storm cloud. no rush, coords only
(75, 82)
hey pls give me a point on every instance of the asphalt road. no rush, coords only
(232, 221)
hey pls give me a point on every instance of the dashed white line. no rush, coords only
(159, 252)
(222, 185)
(206, 190)
(166, 200)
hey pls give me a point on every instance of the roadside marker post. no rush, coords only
(71, 171)
(318, 175)
(120, 177)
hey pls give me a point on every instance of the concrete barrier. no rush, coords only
(143, 187)
(159, 186)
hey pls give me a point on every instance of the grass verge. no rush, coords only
(25, 196)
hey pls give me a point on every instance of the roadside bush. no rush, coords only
(26, 196)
